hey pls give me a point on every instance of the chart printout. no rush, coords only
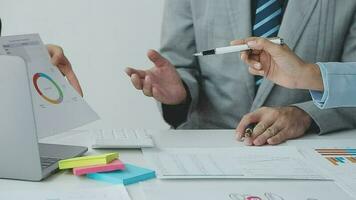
(57, 106)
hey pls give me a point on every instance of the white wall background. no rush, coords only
(101, 38)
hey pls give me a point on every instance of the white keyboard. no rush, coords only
(122, 138)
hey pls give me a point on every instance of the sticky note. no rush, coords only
(114, 165)
(131, 174)
(87, 161)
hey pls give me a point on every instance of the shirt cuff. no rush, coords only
(175, 115)
(319, 98)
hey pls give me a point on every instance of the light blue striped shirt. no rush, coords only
(339, 81)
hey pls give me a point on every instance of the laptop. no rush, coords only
(21, 155)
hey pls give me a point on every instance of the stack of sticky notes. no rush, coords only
(108, 168)
(92, 164)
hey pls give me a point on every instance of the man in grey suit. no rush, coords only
(216, 92)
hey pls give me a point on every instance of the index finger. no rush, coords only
(56, 53)
(238, 42)
(246, 120)
(242, 41)
(73, 80)
(129, 71)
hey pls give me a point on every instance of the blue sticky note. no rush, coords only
(131, 174)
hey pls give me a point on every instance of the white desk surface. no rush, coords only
(183, 138)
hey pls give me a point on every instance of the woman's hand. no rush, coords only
(280, 65)
(60, 60)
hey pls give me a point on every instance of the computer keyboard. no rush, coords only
(122, 138)
(46, 162)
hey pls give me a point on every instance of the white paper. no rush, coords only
(117, 192)
(57, 106)
(344, 173)
(241, 162)
(243, 190)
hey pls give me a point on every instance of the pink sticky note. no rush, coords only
(114, 165)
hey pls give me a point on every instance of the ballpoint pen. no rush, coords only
(235, 48)
(249, 130)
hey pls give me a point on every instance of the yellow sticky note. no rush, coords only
(87, 161)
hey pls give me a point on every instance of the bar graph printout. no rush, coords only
(339, 156)
(242, 162)
(339, 163)
(335, 157)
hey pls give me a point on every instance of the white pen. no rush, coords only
(235, 48)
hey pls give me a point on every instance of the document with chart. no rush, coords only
(240, 162)
(57, 106)
(337, 158)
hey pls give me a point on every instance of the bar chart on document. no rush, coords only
(57, 106)
(339, 161)
(339, 156)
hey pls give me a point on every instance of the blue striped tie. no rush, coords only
(267, 22)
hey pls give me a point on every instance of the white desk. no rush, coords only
(206, 138)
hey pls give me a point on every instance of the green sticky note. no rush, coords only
(87, 161)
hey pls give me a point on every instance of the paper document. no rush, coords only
(244, 190)
(57, 106)
(336, 158)
(242, 162)
(117, 192)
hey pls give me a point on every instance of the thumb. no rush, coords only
(157, 58)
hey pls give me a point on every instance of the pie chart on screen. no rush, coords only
(47, 88)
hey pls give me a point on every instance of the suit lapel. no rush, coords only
(240, 20)
(293, 24)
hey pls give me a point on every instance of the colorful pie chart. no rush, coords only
(38, 76)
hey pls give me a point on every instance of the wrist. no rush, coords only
(182, 96)
(304, 117)
(311, 78)
(187, 99)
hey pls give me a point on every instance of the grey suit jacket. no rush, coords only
(221, 88)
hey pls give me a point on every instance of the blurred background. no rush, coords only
(101, 38)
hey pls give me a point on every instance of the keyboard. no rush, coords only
(122, 138)
(46, 162)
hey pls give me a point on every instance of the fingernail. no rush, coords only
(248, 142)
(233, 42)
(251, 43)
(257, 65)
(256, 142)
(238, 136)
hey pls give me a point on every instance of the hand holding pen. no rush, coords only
(248, 134)
(279, 64)
(238, 47)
